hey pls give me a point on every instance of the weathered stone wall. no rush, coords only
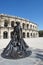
(9, 29)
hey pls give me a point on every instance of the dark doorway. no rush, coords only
(5, 35)
(23, 34)
(12, 23)
(27, 34)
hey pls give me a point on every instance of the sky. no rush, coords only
(28, 9)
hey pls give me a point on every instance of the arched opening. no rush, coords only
(12, 23)
(5, 34)
(23, 34)
(36, 34)
(27, 34)
(23, 25)
(30, 26)
(5, 23)
(33, 34)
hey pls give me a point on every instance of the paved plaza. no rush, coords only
(36, 58)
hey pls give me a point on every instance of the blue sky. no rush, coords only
(29, 9)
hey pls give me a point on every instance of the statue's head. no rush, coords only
(18, 23)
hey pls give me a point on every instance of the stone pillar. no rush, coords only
(1, 34)
(25, 34)
(9, 34)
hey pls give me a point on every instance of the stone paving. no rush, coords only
(33, 59)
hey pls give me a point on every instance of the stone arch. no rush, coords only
(23, 34)
(27, 34)
(12, 23)
(5, 23)
(33, 34)
(31, 26)
(23, 25)
(5, 34)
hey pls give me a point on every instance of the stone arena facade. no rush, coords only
(7, 22)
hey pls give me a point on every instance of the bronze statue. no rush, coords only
(17, 48)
